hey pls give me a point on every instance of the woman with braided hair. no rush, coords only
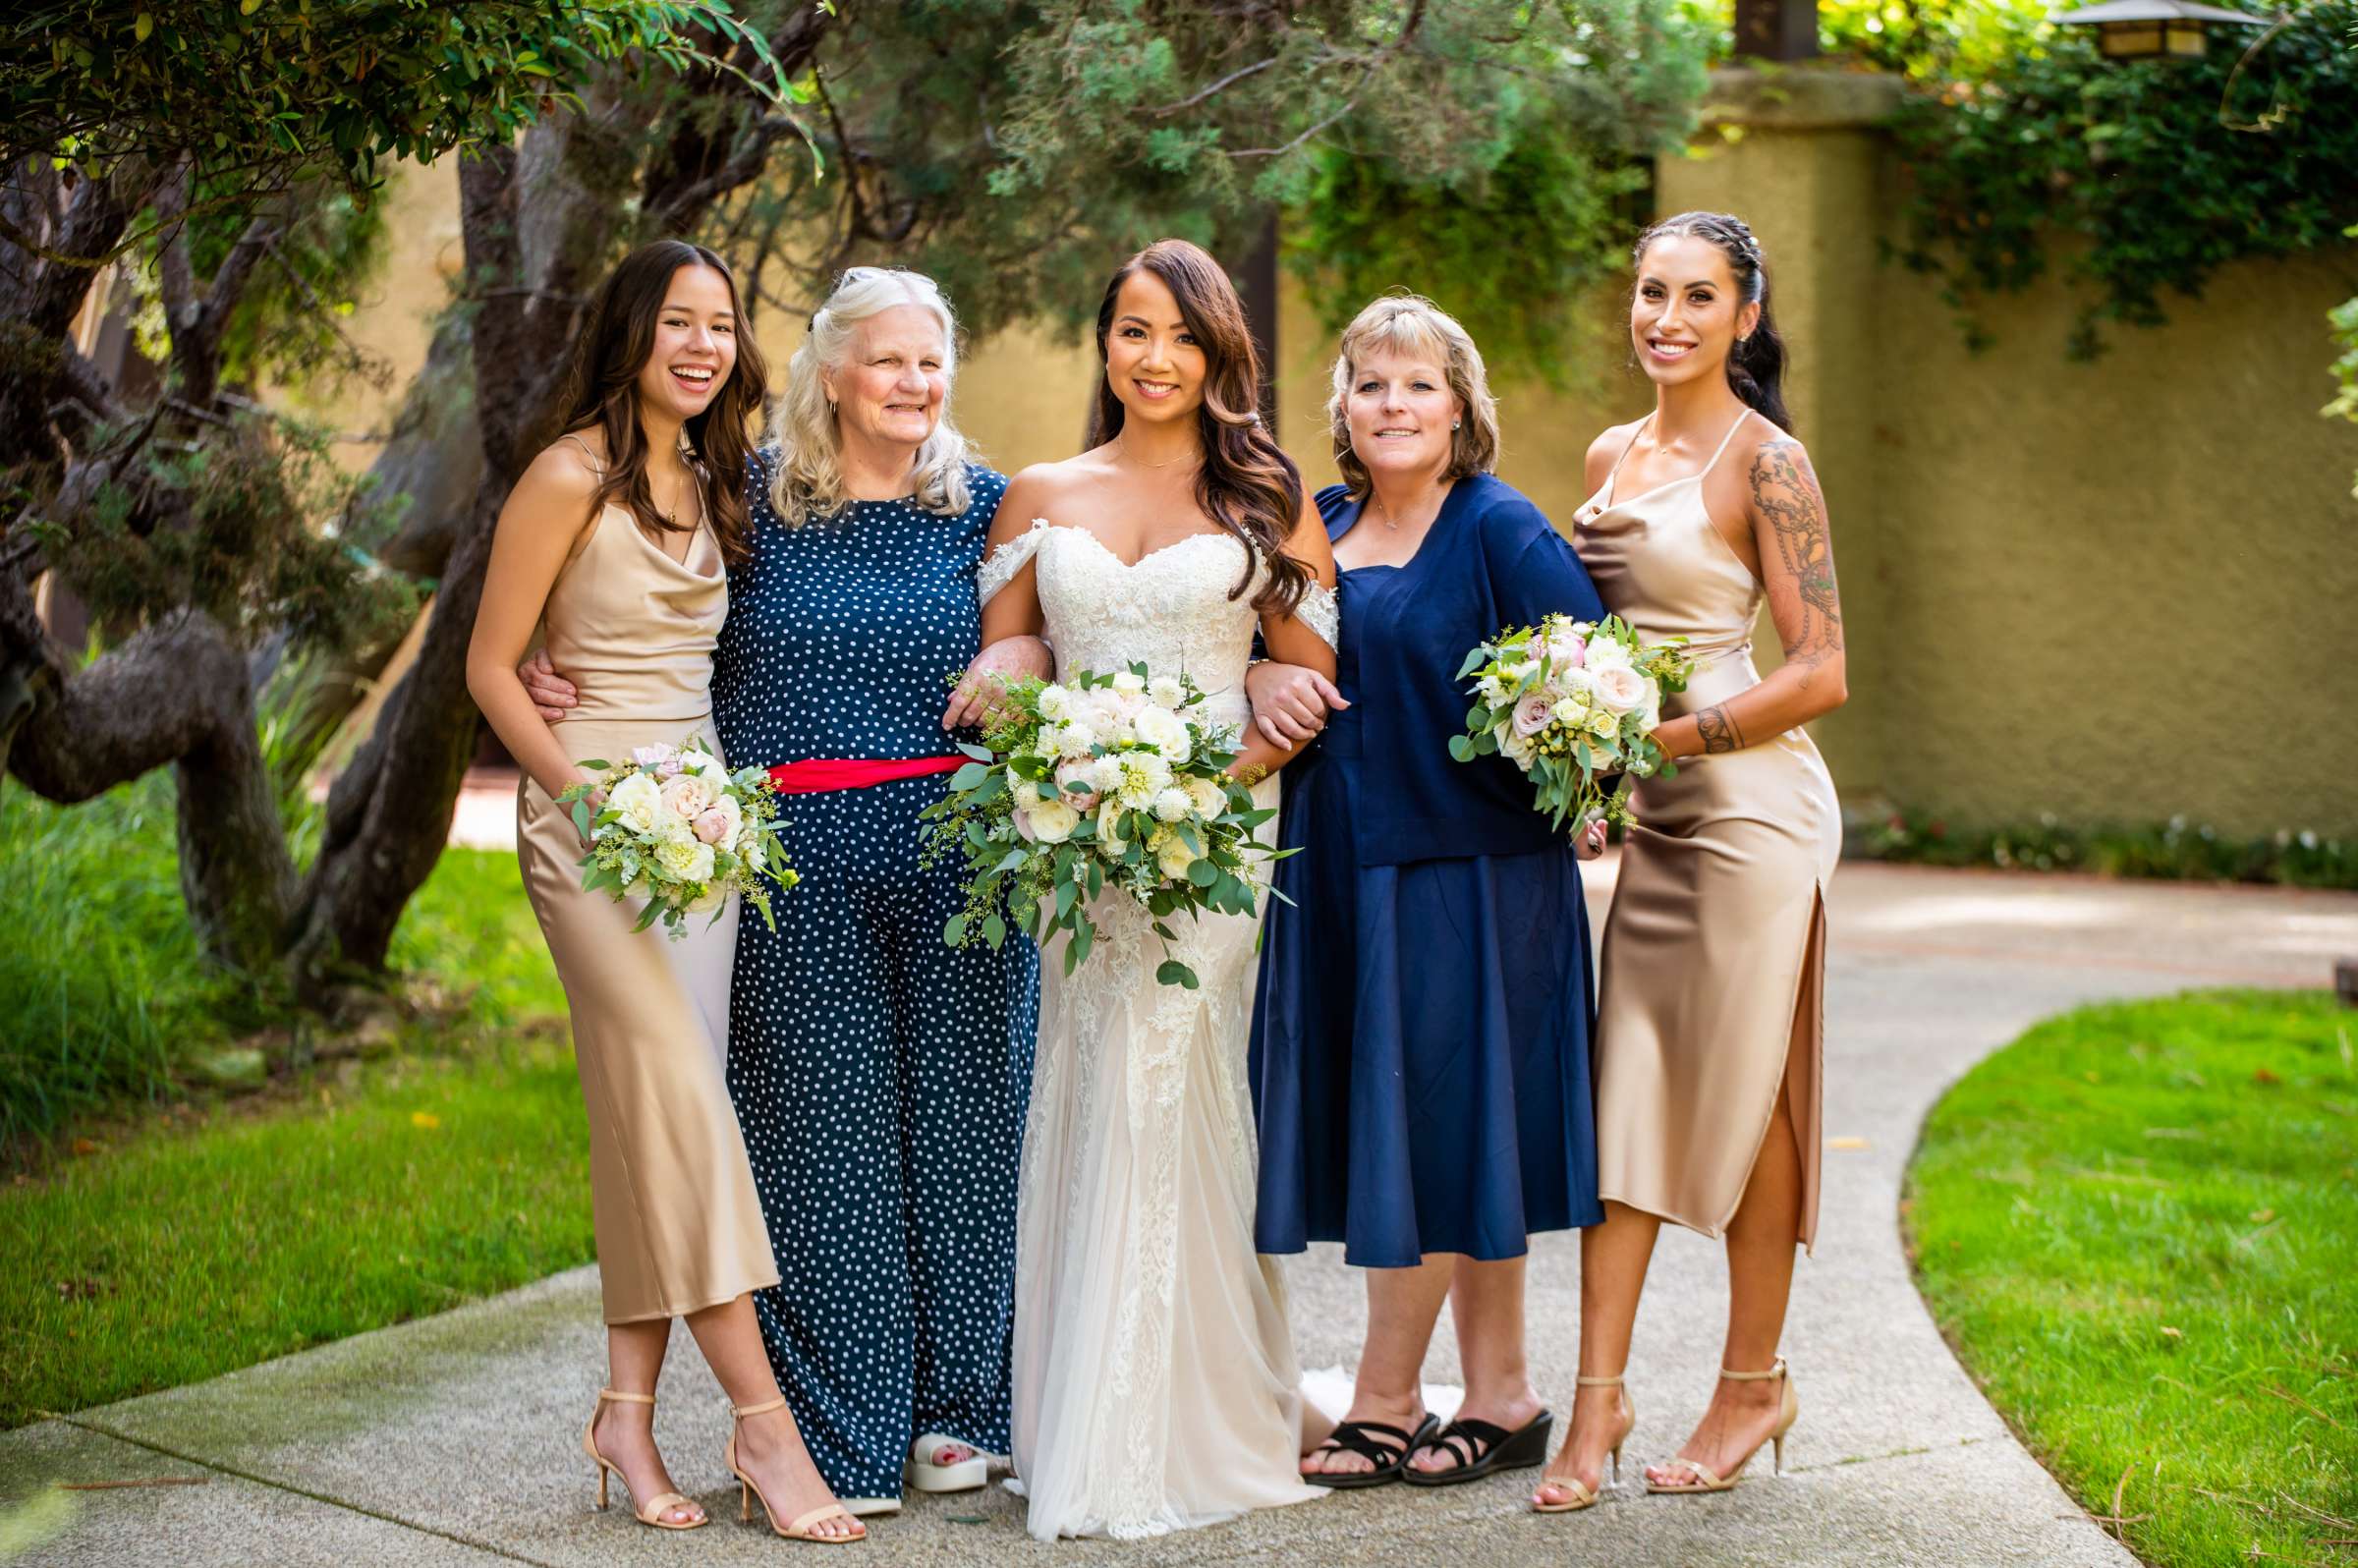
(1710, 1003)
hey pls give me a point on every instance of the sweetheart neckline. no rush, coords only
(1131, 566)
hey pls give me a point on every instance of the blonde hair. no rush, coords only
(1410, 324)
(807, 479)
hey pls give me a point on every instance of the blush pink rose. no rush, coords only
(1077, 773)
(712, 826)
(1532, 715)
(1622, 689)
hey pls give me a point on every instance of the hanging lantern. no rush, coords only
(2149, 30)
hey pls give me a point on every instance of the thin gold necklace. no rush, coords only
(1124, 445)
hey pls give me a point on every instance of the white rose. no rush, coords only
(1164, 691)
(1620, 688)
(639, 801)
(699, 761)
(1110, 830)
(1164, 731)
(1172, 804)
(1053, 821)
(1571, 711)
(1209, 799)
(1604, 654)
(1605, 722)
(687, 795)
(1130, 683)
(1172, 856)
(1517, 748)
(1055, 702)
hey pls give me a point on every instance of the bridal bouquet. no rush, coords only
(680, 831)
(1567, 700)
(1100, 780)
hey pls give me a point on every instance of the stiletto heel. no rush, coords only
(798, 1529)
(1581, 1497)
(652, 1512)
(1788, 1411)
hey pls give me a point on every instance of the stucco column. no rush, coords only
(1798, 154)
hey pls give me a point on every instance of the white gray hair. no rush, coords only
(806, 473)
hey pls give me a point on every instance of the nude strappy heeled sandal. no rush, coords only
(1582, 1497)
(748, 1490)
(652, 1512)
(1789, 1408)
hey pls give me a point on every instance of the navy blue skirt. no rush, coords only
(1420, 1057)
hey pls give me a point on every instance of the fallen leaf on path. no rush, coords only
(1846, 1144)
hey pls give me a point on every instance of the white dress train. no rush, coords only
(1155, 1384)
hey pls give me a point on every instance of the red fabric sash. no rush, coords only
(820, 776)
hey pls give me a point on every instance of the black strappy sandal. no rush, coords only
(1482, 1447)
(1385, 1447)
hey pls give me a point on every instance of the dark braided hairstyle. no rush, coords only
(1756, 364)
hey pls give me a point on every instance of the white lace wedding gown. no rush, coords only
(1155, 1386)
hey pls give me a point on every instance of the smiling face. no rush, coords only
(1687, 312)
(889, 388)
(1401, 412)
(1153, 361)
(694, 348)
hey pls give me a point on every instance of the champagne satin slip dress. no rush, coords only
(678, 1226)
(1711, 990)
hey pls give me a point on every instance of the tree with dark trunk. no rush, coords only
(1016, 150)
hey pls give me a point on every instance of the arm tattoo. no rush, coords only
(1785, 495)
(1718, 727)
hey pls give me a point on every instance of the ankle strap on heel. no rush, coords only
(1596, 1382)
(743, 1411)
(626, 1399)
(1734, 1376)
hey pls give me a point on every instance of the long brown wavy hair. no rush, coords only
(612, 350)
(1247, 484)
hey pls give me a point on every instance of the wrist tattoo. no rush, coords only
(1718, 731)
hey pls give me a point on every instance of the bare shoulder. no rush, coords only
(563, 469)
(1606, 450)
(1777, 469)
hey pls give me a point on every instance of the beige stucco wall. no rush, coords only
(2117, 592)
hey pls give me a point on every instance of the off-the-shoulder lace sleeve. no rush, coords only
(1323, 612)
(999, 569)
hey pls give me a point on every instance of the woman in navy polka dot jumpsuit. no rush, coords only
(880, 1077)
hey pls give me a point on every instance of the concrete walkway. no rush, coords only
(451, 1441)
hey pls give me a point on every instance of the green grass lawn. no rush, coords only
(213, 1233)
(2139, 1226)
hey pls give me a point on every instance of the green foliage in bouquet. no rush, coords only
(1042, 878)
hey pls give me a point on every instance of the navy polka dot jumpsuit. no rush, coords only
(880, 1077)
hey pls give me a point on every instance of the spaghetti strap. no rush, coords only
(1627, 447)
(1725, 440)
(596, 467)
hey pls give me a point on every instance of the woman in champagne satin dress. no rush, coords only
(1710, 1013)
(616, 540)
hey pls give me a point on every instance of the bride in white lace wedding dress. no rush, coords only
(1156, 1384)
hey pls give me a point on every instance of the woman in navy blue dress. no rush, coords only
(1421, 1043)
(880, 1076)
